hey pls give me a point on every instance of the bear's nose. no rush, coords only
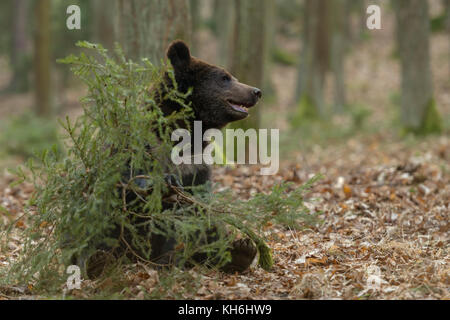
(257, 93)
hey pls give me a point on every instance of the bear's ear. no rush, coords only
(178, 54)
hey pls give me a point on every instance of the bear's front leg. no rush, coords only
(243, 252)
(194, 174)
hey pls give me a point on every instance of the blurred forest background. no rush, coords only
(324, 74)
(369, 109)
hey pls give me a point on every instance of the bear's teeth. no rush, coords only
(239, 108)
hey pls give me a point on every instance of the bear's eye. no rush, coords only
(226, 78)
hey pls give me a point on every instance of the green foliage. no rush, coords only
(80, 199)
(306, 111)
(308, 130)
(431, 124)
(283, 57)
(438, 23)
(359, 115)
(27, 135)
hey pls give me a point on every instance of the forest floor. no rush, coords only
(385, 221)
(385, 200)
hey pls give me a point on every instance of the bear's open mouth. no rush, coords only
(239, 107)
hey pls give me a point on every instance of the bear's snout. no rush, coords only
(257, 93)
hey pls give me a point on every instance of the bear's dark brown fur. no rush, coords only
(217, 99)
(216, 92)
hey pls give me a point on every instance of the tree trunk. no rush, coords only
(145, 28)
(447, 7)
(315, 57)
(223, 17)
(248, 53)
(19, 49)
(196, 18)
(42, 58)
(338, 50)
(418, 109)
(270, 32)
(104, 23)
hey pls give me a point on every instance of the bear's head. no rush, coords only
(217, 98)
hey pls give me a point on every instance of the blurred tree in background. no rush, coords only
(20, 53)
(325, 41)
(42, 56)
(249, 49)
(447, 12)
(418, 109)
(339, 44)
(104, 13)
(222, 26)
(358, 8)
(315, 57)
(196, 23)
(145, 28)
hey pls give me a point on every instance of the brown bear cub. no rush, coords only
(217, 99)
